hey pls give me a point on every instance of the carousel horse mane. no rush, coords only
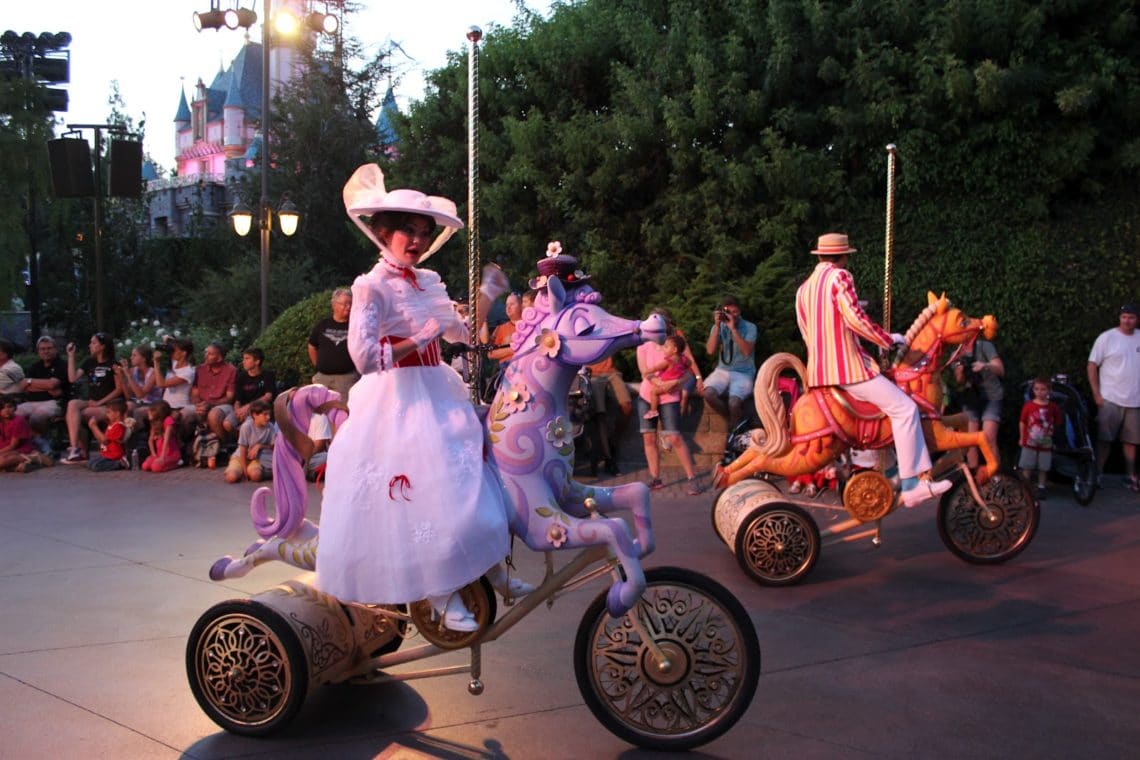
(293, 411)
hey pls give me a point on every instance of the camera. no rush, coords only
(723, 314)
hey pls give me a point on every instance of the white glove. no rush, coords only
(431, 330)
(898, 339)
(494, 282)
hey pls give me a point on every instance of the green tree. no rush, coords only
(687, 148)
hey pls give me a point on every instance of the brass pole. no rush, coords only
(889, 243)
(475, 359)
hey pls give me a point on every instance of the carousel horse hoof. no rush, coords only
(925, 491)
(218, 569)
(615, 604)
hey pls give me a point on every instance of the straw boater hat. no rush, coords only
(364, 195)
(833, 244)
(560, 265)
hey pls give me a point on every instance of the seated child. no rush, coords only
(254, 455)
(320, 432)
(1039, 418)
(665, 376)
(16, 448)
(112, 454)
(165, 448)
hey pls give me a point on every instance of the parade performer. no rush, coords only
(831, 323)
(410, 510)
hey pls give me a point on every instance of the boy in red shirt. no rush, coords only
(112, 455)
(1039, 418)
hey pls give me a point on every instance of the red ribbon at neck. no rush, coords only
(406, 273)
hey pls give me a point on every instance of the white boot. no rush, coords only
(507, 585)
(925, 491)
(455, 615)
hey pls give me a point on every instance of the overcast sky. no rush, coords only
(151, 48)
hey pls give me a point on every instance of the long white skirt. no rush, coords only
(410, 509)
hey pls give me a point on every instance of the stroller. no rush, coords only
(1074, 455)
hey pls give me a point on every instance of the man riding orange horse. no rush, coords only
(831, 322)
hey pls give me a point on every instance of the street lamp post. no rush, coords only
(287, 213)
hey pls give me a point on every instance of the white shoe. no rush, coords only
(456, 616)
(503, 583)
(925, 491)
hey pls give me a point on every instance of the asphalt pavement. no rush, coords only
(898, 651)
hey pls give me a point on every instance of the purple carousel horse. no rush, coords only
(531, 447)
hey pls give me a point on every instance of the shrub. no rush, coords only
(286, 341)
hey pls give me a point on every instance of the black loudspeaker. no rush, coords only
(126, 168)
(70, 159)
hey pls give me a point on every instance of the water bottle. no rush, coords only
(134, 459)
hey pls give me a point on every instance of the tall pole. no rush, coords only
(264, 214)
(476, 358)
(889, 242)
(98, 229)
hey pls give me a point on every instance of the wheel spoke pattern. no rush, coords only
(242, 669)
(778, 544)
(1006, 522)
(707, 662)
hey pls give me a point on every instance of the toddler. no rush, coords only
(165, 449)
(112, 455)
(1039, 418)
(254, 456)
(662, 377)
(16, 449)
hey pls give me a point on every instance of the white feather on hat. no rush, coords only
(364, 195)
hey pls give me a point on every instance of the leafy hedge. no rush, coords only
(286, 341)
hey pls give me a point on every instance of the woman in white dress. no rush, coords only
(410, 510)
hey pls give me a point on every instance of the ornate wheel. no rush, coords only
(868, 495)
(246, 668)
(778, 544)
(999, 531)
(480, 600)
(1084, 482)
(706, 685)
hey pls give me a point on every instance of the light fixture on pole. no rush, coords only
(242, 217)
(211, 19)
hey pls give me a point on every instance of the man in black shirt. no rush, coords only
(46, 387)
(328, 347)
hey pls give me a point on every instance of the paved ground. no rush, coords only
(895, 651)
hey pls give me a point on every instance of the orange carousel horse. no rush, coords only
(825, 422)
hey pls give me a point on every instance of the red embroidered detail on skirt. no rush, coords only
(401, 482)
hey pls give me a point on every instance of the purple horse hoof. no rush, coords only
(615, 604)
(218, 569)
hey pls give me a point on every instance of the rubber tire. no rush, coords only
(282, 643)
(595, 622)
(1008, 484)
(1084, 484)
(801, 521)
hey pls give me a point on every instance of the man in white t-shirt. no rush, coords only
(1114, 376)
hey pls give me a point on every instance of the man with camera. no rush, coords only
(732, 340)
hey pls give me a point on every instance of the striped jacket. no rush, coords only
(831, 323)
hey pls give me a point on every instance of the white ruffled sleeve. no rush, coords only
(364, 346)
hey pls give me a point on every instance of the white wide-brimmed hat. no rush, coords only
(364, 195)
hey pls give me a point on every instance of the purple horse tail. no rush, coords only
(293, 411)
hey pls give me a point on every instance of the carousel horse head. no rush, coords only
(532, 445)
(938, 326)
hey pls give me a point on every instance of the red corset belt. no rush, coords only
(428, 356)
